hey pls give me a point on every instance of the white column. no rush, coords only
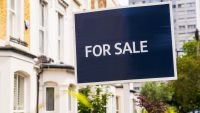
(126, 99)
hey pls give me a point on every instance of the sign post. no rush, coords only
(126, 98)
(132, 44)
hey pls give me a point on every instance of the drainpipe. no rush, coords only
(39, 67)
(40, 70)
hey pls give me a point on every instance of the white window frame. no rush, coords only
(43, 28)
(51, 85)
(60, 39)
(12, 18)
(61, 10)
(53, 98)
(16, 15)
(24, 92)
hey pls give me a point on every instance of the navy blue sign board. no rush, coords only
(125, 45)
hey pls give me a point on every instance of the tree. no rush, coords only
(187, 88)
(155, 96)
(97, 97)
(190, 48)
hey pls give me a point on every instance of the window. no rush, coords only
(101, 3)
(174, 6)
(69, 102)
(180, 5)
(143, 2)
(50, 98)
(42, 26)
(181, 33)
(136, 88)
(60, 35)
(190, 17)
(117, 104)
(191, 26)
(192, 4)
(18, 94)
(12, 17)
(191, 11)
(182, 27)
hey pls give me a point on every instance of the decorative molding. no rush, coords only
(44, 2)
(63, 3)
(77, 2)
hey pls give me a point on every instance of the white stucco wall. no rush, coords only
(62, 79)
(52, 28)
(11, 63)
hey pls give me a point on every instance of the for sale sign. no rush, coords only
(125, 45)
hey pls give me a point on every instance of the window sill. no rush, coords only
(18, 41)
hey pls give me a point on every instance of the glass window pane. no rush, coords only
(50, 99)
(18, 92)
(42, 14)
(69, 102)
(59, 50)
(11, 22)
(41, 41)
(15, 92)
(12, 4)
(60, 24)
(21, 92)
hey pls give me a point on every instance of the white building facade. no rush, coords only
(37, 69)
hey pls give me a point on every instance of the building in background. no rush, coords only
(37, 56)
(185, 18)
(99, 4)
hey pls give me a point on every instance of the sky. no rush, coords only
(123, 2)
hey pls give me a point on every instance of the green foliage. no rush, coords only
(187, 87)
(157, 91)
(97, 97)
(190, 48)
(171, 110)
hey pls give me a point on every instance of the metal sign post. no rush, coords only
(126, 98)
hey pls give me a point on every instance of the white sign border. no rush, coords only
(131, 80)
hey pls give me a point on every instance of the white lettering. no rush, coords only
(87, 50)
(118, 48)
(127, 48)
(106, 49)
(143, 45)
(134, 48)
(99, 50)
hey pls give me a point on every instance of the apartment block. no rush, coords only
(185, 18)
